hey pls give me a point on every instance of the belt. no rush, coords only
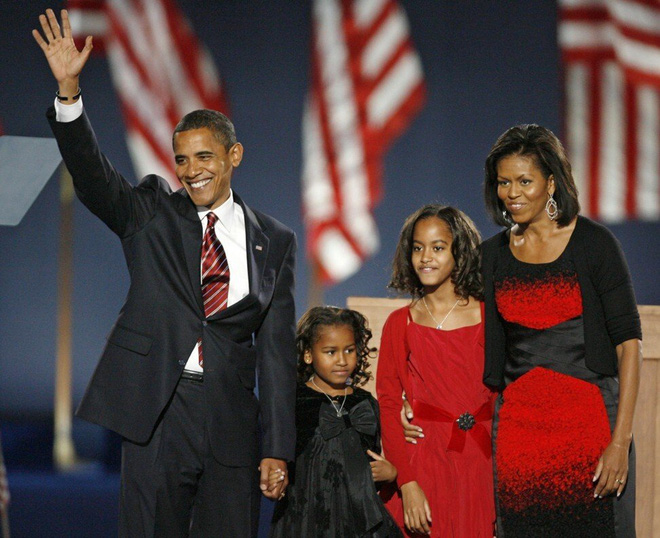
(467, 422)
(192, 376)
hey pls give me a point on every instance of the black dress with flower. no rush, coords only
(331, 491)
(555, 416)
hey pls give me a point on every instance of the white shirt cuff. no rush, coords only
(68, 113)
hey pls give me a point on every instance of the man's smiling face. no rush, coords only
(204, 166)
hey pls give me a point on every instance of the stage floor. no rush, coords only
(80, 504)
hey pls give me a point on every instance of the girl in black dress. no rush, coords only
(332, 485)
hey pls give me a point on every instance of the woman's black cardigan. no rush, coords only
(608, 301)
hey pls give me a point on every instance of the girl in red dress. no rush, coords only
(432, 354)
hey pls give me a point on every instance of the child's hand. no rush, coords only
(381, 469)
(270, 483)
(274, 478)
(416, 509)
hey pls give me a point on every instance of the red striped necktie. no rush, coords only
(215, 274)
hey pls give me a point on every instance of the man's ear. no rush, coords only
(236, 154)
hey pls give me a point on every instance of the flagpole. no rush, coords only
(5, 522)
(315, 287)
(4, 502)
(64, 452)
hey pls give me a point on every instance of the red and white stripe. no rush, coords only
(611, 57)
(215, 271)
(215, 280)
(159, 69)
(88, 17)
(367, 85)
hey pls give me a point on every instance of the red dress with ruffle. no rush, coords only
(453, 462)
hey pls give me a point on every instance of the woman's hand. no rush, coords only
(64, 59)
(612, 470)
(381, 469)
(416, 509)
(410, 431)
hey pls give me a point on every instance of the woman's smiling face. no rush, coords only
(523, 189)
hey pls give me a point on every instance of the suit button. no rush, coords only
(182, 362)
(205, 323)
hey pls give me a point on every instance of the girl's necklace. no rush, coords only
(337, 409)
(439, 325)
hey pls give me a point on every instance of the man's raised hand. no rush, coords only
(65, 61)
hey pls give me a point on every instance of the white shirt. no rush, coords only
(230, 229)
(67, 113)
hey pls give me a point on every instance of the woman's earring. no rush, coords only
(507, 217)
(551, 208)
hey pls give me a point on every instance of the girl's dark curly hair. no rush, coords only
(466, 275)
(308, 333)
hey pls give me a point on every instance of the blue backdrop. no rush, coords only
(488, 65)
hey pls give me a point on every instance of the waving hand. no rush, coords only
(65, 61)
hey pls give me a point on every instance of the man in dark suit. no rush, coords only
(175, 380)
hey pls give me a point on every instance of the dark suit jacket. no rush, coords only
(163, 316)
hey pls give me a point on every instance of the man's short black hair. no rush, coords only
(219, 124)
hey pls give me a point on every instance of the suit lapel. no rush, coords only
(257, 244)
(191, 238)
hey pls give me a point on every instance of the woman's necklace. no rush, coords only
(337, 409)
(439, 325)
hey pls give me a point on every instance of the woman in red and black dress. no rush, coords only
(563, 341)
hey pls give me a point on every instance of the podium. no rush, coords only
(26, 165)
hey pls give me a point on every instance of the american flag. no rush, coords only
(159, 69)
(611, 59)
(367, 85)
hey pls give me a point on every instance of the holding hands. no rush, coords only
(64, 59)
(274, 478)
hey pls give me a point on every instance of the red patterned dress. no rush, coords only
(555, 416)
